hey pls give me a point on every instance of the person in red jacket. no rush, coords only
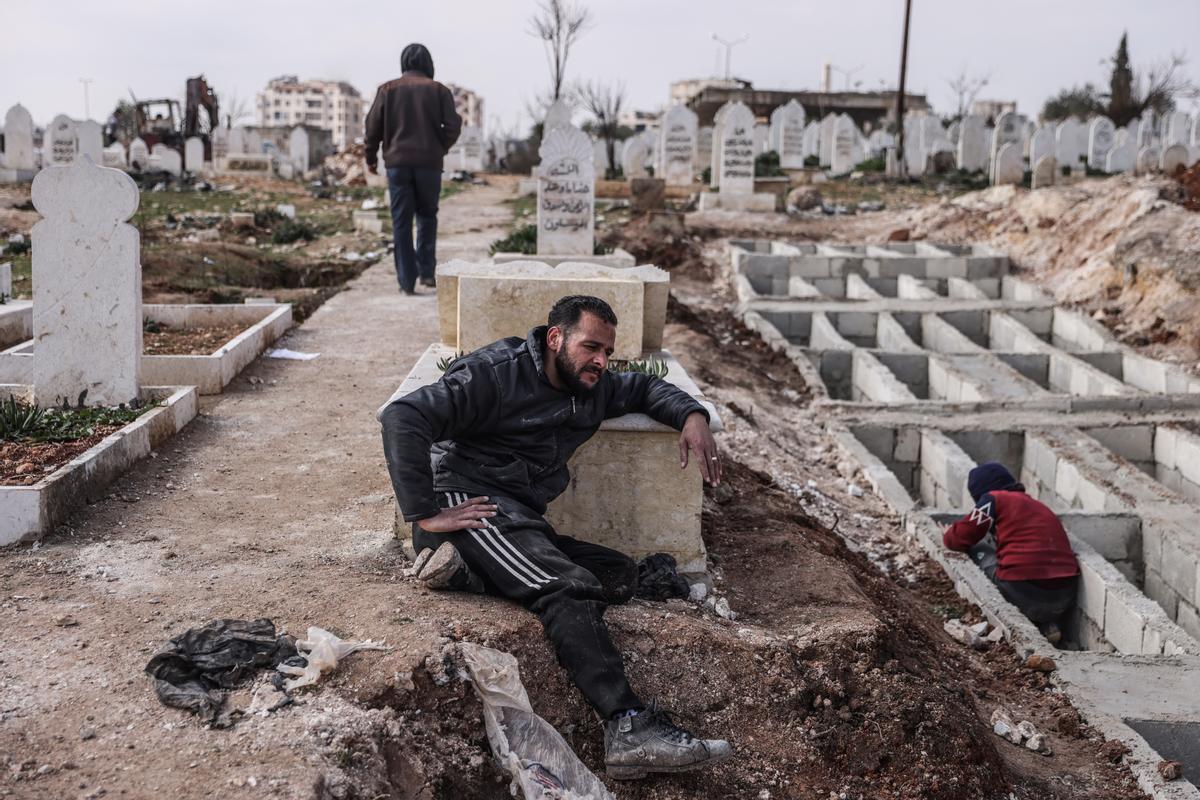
(1020, 545)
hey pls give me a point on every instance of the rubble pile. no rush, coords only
(347, 168)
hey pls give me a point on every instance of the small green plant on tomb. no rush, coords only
(766, 165)
(151, 325)
(16, 248)
(706, 176)
(4, 298)
(523, 239)
(654, 367)
(812, 161)
(27, 422)
(444, 362)
(876, 164)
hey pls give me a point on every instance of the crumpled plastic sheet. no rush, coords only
(322, 652)
(541, 762)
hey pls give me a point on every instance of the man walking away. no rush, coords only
(413, 117)
(1020, 545)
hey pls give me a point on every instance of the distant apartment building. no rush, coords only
(993, 108)
(335, 106)
(468, 104)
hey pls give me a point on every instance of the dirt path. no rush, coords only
(273, 503)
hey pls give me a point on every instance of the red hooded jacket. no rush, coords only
(1031, 544)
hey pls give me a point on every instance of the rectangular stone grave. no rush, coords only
(627, 490)
(654, 281)
(494, 307)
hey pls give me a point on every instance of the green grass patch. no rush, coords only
(26, 422)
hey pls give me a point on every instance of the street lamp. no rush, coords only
(729, 45)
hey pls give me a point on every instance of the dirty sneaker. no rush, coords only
(444, 568)
(650, 742)
(430, 282)
(1051, 631)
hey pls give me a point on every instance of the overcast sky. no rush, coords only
(1030, 48)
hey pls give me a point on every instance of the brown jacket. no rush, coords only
(414, 118)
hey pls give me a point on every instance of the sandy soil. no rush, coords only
(835, 679)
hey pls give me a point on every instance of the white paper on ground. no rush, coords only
(291, 355)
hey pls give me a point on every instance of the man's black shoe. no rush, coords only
(407, 292)
(650, 742)
(431, 282)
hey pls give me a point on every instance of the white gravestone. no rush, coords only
(677, 145)
(219, 141)
(761, 136)
(634, 155)
(236, 142)
(972, 144)
(1068, 135)
(5, 282)
(1007, 131)
(114, 156)
(1045, 171)
(18, 139)
(298, 148)
(1122, 157)
(600, 157)
(714, 165)
(87, 286)
(737, 151)
(1009, 166)
(139, 154)
(791, 135)
(845, 136)
(1041, 144)
(1101, 136)
(774, 137)
(1147, 160)
(828, 122)
(914, 154)
(90, 136)
(166, 159)
(193, 154)
(1178, 124)
(812, 139)
(472, 148)
(566, 193)
(1173, 157)
(62, 142)
(704, 145)
(254, 143)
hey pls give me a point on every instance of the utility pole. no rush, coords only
(901, 166)
(728, 51)
(87, 111)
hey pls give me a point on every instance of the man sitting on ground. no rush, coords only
(501, 424)
(1020, 545)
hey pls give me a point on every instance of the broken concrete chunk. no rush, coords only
(959, 632)
(697, 592)
(980, 628)
(1005, 726)
(1170, 770)
(1040, 663)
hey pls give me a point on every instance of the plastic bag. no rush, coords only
(540, 760)
(323, 651)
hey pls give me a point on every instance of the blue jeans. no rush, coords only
(414, 191)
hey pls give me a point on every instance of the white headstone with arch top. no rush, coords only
(972, 144)
(1101, 137)
(61, 142)
(193, 154)
(566, 193)
(114, 156)
(18, 139)
(790, 127)
(737, 150)
(90, 137)
(139, 154)
(87, 286)
(677, 145)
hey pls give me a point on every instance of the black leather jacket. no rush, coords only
(494, 425)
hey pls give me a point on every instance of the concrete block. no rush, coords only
(1091, 590)
(1132, 442)
(908, 445)
(1158, 591)
(1116, 538)
(809, 267)
(1179, 561)
(1123, 623)
(1188, 618)
(1152, 537)
(880, 441)
(1164, 445)
(1187, 455)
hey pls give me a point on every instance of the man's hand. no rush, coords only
(697, 438)
(469, 514)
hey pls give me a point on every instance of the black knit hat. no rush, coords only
(416, 58)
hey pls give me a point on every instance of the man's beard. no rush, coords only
(569, 374)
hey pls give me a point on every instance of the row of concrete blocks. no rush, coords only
(759, 259)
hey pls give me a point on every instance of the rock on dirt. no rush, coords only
(1170, 770)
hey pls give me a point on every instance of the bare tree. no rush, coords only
(1159, 85)
(966, 89)
(604, 101)
(559, 24)
(237, 109)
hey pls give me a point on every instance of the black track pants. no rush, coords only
(566, 582)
